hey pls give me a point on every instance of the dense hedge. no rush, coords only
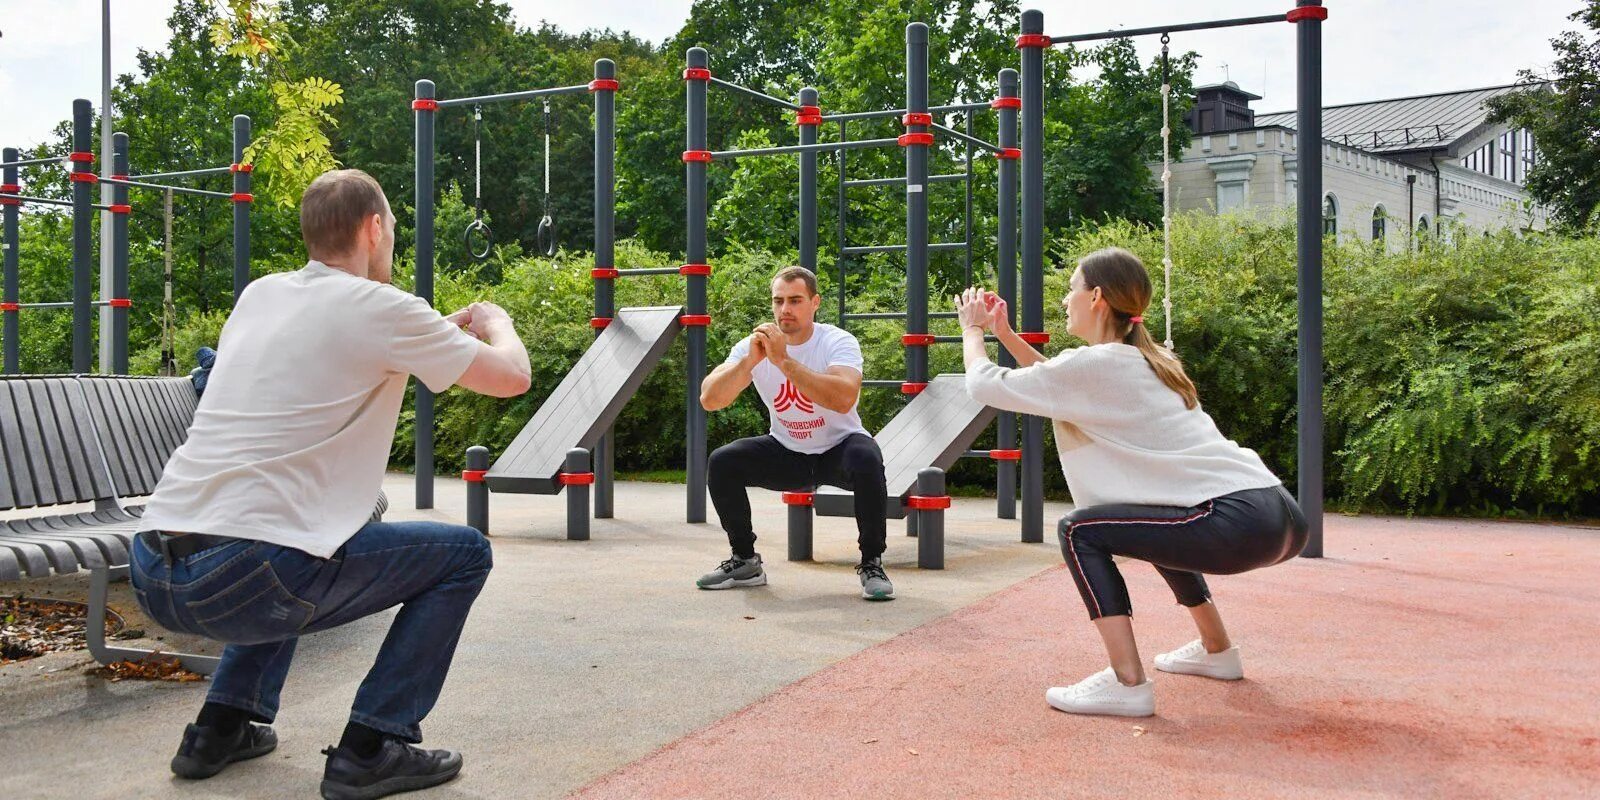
(1462, 376)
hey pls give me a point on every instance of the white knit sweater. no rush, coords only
(1123, 436)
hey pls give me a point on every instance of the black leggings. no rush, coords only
(1233, 533)
(855, 464)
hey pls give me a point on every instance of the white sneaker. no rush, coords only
(1192, 659)
(1102, 693)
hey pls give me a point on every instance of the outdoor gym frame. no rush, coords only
(82, 180)
(425, 106)
(1307, 17)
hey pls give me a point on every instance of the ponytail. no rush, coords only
(1125, 284)
(1165, 363)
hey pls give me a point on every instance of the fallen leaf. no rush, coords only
(1138, 730)
(749, 617)
(869, 741)
(913, 751)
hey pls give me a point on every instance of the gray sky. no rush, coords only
(1374, 49)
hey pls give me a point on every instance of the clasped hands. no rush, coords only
(767, 341)
(982, 309)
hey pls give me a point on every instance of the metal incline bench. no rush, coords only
(918, 445)
(552, 453)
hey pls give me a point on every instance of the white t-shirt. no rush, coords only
(801, 424)
(1122, 435)
(291, 437)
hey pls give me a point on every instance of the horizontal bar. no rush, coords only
(757, 95)
(28, 162)
(67, 304)
(188, 173)
(895, 112)
(943, 315)
(901, 315)
(882, 384)
(161, 187)
(41, 200)
(820, 147)
(934, 247)
(961, 137)
(636, 273)
(976, 454)
(1186, 26)
(959, 340)
(959, 176)
(528, 95)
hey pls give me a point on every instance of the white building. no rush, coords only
(1383, 164)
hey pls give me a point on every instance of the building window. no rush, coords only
(1506, 156)
(1480, 160)
(1527, 152)
(1380, 221)
(1330, 216)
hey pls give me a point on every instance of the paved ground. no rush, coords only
(1421, 659)
(580, 657)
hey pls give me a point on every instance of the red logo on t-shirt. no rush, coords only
(790, 397)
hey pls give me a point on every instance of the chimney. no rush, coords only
(1221, 107)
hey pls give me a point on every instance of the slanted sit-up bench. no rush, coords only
(918, 445)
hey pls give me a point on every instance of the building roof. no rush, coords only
(1424, 122)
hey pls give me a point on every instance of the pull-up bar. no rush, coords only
(188, 173)
(820, 147)
(765, 98)
(161, 187)
(32, 161)
(961, 137)
(1179, 28)
(498, 98)
(897, 112)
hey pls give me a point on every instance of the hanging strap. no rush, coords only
(1166, 187)
(547, 158)
(477, 164)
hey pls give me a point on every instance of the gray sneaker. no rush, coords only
(875, 584)
(735, 571)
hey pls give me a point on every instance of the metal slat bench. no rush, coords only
(919, 444)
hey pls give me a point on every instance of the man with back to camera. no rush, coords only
(258, 531)
(808, 374)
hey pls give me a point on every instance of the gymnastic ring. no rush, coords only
(478, 231)
(545, 239)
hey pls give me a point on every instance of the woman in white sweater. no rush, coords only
(1151, 476)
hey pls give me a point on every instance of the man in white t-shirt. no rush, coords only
(258, 531)
(808, 374)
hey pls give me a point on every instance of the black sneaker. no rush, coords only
(205, 752)
(398, 767)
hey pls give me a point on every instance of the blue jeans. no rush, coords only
(259, 598)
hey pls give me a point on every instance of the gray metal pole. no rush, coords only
(424, 107)
(1006, 267)
(477, 489)
(8, 239)
(241, 207)
(698, 64)
(107, 218)
(605, 215)
(1032, 116)
(839, 222)
(916, 143)
(84, 182)
(808, 118)
(1308, 33)
(577, 475)
(119, 260)
(930, 522)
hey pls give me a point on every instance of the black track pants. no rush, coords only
(855, 464)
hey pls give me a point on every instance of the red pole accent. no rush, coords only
(83, 177)
(121, 209)
(1009, 153)
(697, 74)
(924, 139)
(797, 498)
(917, 119)
(695, 269)
(473, 475)
(916, 339)
(604, 84)
(1033, 40)
(10, 201)
(10, 308)
(10, 187)
(933, 503)
(424, 104)
(697, 155)
(1006, 455)
(241, 168)
(1034, 337)
(912, 388)
(575, 478)
(599, 322)
(1006, 102)
(241, 197)
(604, 273)
(1307, 12)
(82, 158)
(808, 115)
(119, 177)
(695, 320)
(120, 302)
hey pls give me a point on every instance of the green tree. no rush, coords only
(1562, 110)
